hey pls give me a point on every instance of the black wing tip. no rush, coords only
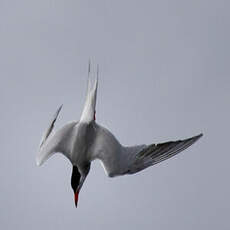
(199, 136)
(195, 138)
(59, 110)
(60, 107)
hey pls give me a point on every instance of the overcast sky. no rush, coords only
(164, 75)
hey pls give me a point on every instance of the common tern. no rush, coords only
(84, 141)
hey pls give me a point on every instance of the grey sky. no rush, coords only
(164, 76)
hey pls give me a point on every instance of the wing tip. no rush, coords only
(197, 137)
(193, 139)
(58, 111)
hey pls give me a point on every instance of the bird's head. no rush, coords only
(77, 180)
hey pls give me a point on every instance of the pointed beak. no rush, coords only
(76, 198)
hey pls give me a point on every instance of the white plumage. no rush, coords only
(84, 141)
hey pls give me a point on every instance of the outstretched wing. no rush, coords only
(155, 153)
(120, 160)
(61, 141)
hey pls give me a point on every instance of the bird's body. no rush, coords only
(84, 141)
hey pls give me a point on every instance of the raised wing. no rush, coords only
(61, 141)
(119, 160)
(50, 127)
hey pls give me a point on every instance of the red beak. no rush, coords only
(76, 198)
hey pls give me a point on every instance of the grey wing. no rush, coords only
(61, 141)
(119, 160)
(155, 153)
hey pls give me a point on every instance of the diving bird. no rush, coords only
(84, 141)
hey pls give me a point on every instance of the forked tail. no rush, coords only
(89, 109)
